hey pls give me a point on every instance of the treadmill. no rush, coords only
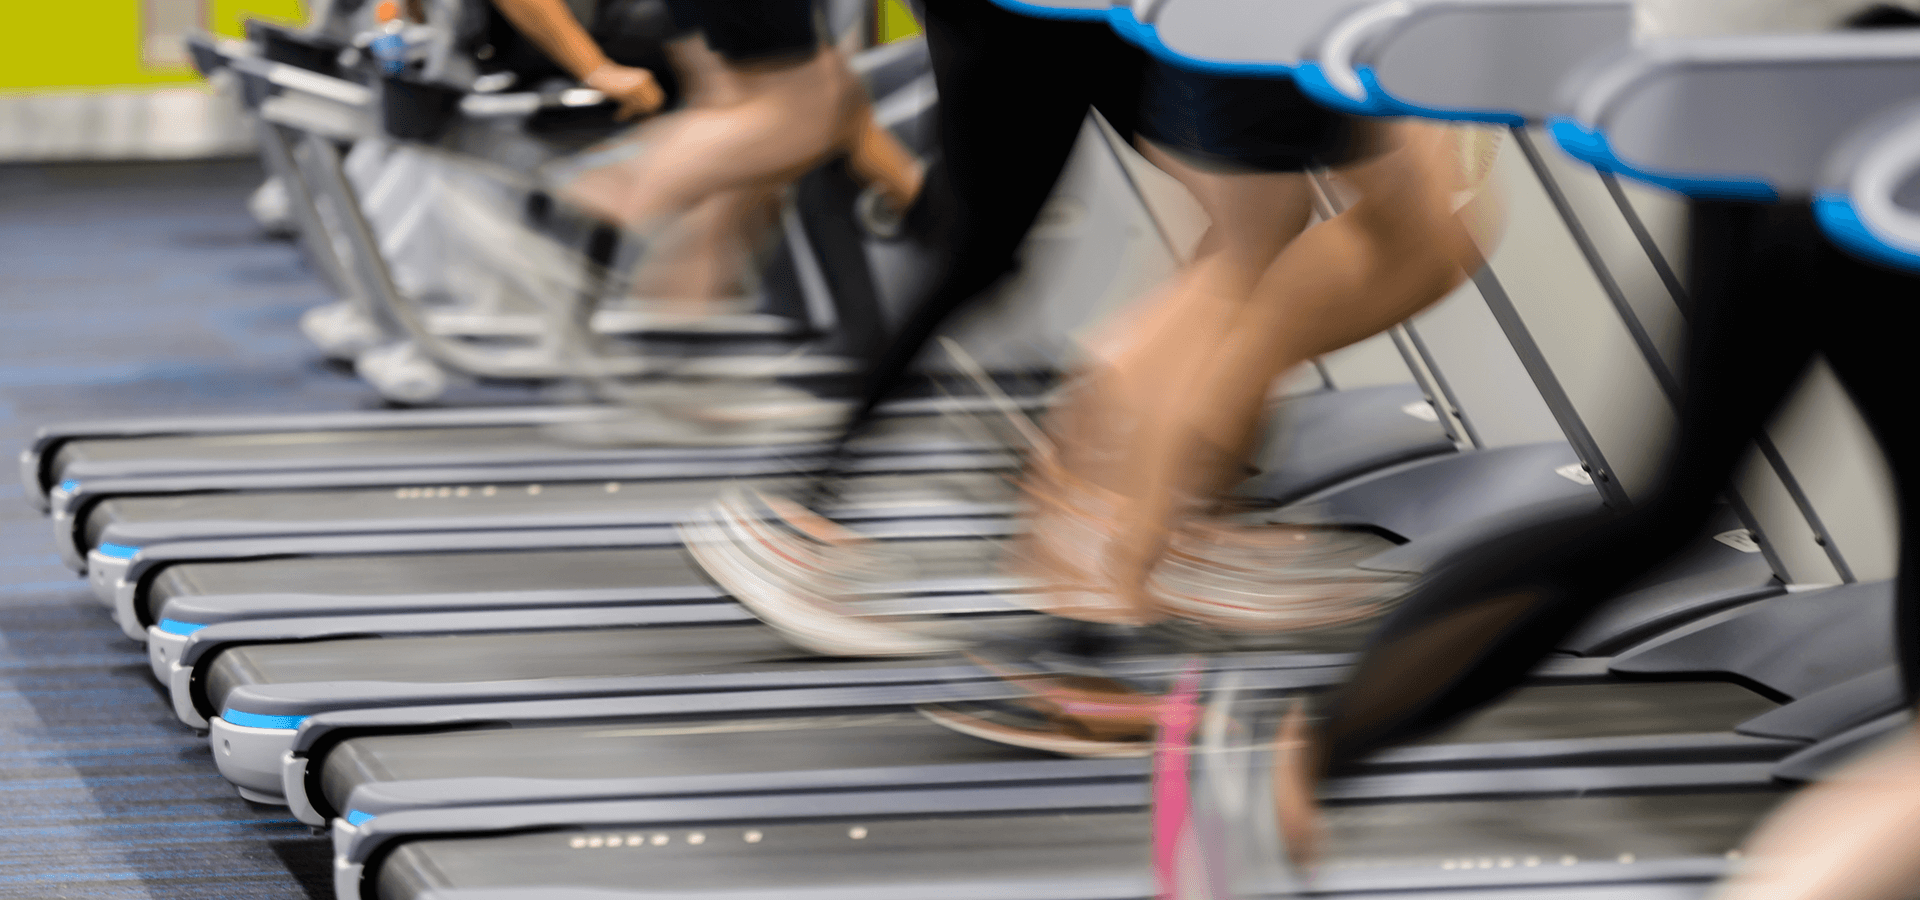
(291, 444)
(279, 703)
(358, 764)
(191, 611)
(1458, 495)
(296, 446)
(1857, 200)
(404, 793)
(1659, 838)
(1328, 441)
(253, 688)
(1577, 739)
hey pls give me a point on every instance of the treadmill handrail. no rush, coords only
(294, 78)
(1702, 115)
(1498, 61)
(1234, 38)
(1856, 202)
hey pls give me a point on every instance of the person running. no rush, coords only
(1488, 615)
(791, 103)
(1162, 420)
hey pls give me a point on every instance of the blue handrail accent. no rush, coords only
(1042, 11)
(116, 551)
(1590, 146)
(257, 720)
(175, 626)
(357, 818)
(1841, 221)
(70, 485)
(1146, 37)
(1313, 82)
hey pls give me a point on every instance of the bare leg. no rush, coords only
(707, 252)
(1393, 253)
(1149, 363)
(714, 243)
(1850, 837)
(1144, 366)
(878, 158)
(782, 121)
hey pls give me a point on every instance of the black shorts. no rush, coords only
(1261, 124)
(751, 30)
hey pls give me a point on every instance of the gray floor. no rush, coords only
(132, 290)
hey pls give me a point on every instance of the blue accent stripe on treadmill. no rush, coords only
(1139, 34)
(175, 626)
(116, 551)
(70, 485)
(1842, 223)
(256, 720)
(1042, 11)
(1313, 82)
(357, 818)
(1592, 147)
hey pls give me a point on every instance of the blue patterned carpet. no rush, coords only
(132, 290)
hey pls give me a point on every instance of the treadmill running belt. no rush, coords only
(298, 512)
(450, 573)
(665, 750)
(662, 750)
(459, 573)
(345, 445)
(405, 445)
(206, 592)
(642, 651)
(1559, 844)
(658, 650)
(1614, 709)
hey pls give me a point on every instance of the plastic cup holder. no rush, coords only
(415, 110)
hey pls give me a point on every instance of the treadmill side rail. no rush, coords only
(248, 757)
(1497, 61)
(1698, 115)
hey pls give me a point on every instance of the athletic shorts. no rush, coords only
(750, 30)
(1259, 124)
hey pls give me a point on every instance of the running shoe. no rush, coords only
(802, 574)
(1272, 578)
(1215, 830)
(1087, 690)
(1024, 723)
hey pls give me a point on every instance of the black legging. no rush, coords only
(1767, 292)
(1014, 91)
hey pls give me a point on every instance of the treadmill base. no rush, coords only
(250, 758)
(257, 797)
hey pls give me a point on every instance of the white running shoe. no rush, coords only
(341, 330)
(798, 572)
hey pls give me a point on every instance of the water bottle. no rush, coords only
(389, 47)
